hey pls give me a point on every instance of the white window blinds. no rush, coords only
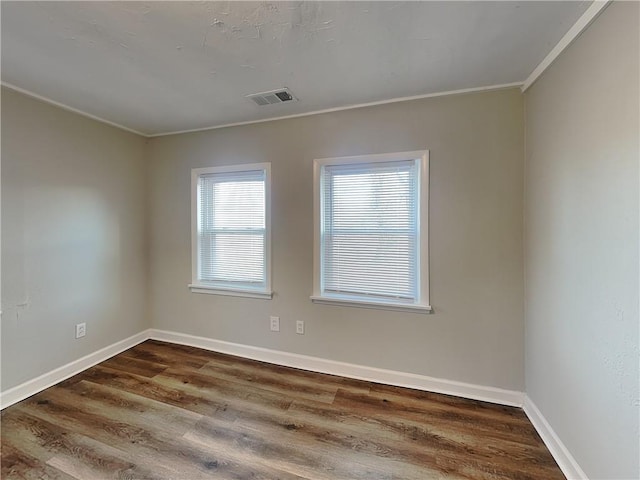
(231, 230)
(370, 231)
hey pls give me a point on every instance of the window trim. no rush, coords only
(198, 287)
(422, 305)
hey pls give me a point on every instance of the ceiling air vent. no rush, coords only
(272, 97)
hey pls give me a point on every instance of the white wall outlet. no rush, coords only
(275, 324)
(300, 327)
(81, 330)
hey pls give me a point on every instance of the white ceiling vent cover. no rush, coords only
(282, 95)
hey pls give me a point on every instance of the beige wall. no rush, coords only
(581, 255)
(73, 236)
(476, 145)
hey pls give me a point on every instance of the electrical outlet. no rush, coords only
(81, 330)
(300, 327)
(275, 324)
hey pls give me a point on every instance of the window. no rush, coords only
(231, 230)
(371, 231)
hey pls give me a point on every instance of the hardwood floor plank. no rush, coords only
(15, 464)
(129, 408)
(168, 351)
(148, 388)
(144, 368)
(167, 411)
(62, 447)
(310, 457)
(428, 401)
(163, 447)
(272, 382)
(286, 374)
(161, 353)
(505, 426)
(420, 434)
(207, 385)
(314, 429)
(295, 463)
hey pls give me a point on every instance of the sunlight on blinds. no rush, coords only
(369, 234)
(231, 229)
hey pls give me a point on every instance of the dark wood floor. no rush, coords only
(168, 411)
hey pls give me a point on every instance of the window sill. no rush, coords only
(398, 307)
(230, 292)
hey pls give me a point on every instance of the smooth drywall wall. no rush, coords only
(73, 236)
(476, 153)
(581, 237)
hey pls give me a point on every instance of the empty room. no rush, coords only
(322, 240)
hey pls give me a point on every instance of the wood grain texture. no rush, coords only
(165, 411)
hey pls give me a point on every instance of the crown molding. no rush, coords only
(581, 24)
(574, 32)
(70, 109)
(348, 107)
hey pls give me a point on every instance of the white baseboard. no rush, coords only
(560, 453)
(305, 362)
(360, 372)
(31, 387)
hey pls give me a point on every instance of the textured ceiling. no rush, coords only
(158, 67)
